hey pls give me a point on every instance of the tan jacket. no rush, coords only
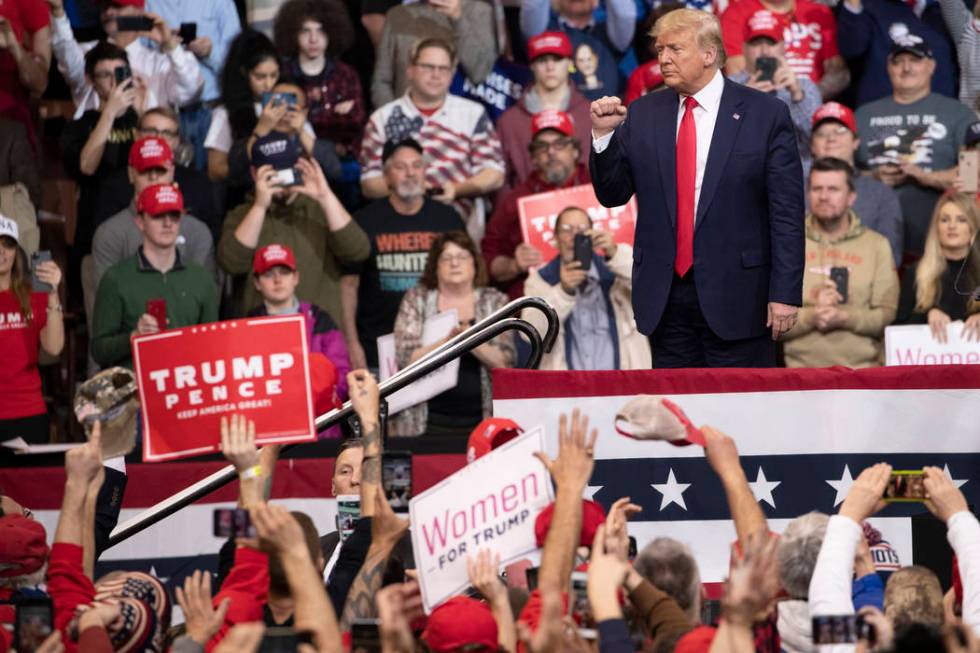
(872, 299)
(634, 348)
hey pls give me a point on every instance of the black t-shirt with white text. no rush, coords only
(399, 249)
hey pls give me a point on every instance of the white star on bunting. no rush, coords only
(590, 491)
(762, 488)
(958, 482)
(672, 491)
(843, 486)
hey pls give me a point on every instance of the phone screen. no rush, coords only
(232, 522)
(842, 629)
(348, 512)
(188, 32)
(905, 486)
(134, 23)
(365, 636)
(766, 66)
(279, 639)
(581, 608)
(36, 284)
(840, 276)
(396, 479)
(583, 250)
(33, 623)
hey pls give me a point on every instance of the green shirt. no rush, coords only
(121, 299)
(301, 226)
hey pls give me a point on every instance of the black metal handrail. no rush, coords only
(486, 329)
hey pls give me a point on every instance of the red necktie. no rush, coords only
(687, 166)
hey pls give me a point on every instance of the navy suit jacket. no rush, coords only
(748, 234)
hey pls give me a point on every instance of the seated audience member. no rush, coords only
(835, 135)
(156, 271)
(964, 26)
(911, 139)
(841, 324)
(595, 308)
(117, 192)
(30, 320)
(306, 217)
(97, 144)
(401, 228)
(464, 156)
(938, 288)
(251, 72)
(312, 35)
(454, 279)
(18, 165)
(597, 45)
(764, 44)
(868, 31)
(170, 72)
(555, 157)
(217, 24)
(151, 162)
(25, 56)
(550, 54)
(467, 25)
(807, 30)
(275, 277)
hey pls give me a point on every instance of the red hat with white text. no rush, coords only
(150, 152)
(272, 255)
(556, 43)
(764, 24)
(837, 112)
(490, 434)
(552, 119)
(159, 199)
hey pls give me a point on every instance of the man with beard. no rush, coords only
(400, 228)
(555, 161)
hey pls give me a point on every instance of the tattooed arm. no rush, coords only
(363, 388)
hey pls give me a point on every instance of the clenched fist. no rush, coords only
(607, 114)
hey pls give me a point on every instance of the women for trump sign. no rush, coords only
(189, 378)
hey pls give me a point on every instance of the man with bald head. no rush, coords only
(716, 171)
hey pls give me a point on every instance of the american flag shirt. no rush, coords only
(459, 141)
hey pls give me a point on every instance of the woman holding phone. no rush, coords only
(454, 278)
(27, 319)
(937, 290)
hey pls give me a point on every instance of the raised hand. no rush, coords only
(607, 114)
(482, 570)
(238, 442)
(202, 620)
(574, 463)
(83, 464)
(865, 496)
(617, 540)
(944, 498)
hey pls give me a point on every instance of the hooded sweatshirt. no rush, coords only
(872, 298)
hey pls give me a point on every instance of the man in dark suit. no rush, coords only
(718, 252)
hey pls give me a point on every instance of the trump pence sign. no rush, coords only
(537, 214)
(190, 377)
(489, 504)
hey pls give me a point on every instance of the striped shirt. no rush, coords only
(965, 30)
(458, 139)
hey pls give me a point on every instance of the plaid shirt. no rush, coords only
(458, 139)
(337, 83)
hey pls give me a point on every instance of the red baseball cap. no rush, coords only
(490, 434)
(552, 119)
(272, 255)
(23, 546)
(697, 641)
(150, 152)
(159, 199)
(556, 43)
(763, 23)
(461, 621)
(837, 112)
(323, 384)
(593, 516)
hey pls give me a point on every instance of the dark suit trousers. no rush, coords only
(684, 339)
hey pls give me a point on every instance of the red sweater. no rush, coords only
(503, 233)
(247, 585)
(68, 587)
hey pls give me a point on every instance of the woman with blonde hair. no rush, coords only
(939, 288)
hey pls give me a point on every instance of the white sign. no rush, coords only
(914, 345)
(435, 329)
(491, 503)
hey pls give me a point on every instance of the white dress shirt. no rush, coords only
(705, 116)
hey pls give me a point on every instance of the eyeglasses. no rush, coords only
(433, 68)
(538, 147)
(838, 130)
(161, 133)
(452, 259)
(569, 229)
(404, 167)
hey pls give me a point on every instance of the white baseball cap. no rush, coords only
(9, 228)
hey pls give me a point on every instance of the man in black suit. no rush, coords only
(719, 239)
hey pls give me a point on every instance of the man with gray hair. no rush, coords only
(671, 567)
(797, 554)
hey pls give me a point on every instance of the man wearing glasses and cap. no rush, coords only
(156, 274)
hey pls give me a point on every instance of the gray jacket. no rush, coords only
(119, 237)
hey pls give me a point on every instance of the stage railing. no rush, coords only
(486, 329)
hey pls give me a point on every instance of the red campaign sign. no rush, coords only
(189, 378)
(538, 212)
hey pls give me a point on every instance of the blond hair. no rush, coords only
(932, 266)
(706, 28)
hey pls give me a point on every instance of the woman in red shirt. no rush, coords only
(26, 319)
